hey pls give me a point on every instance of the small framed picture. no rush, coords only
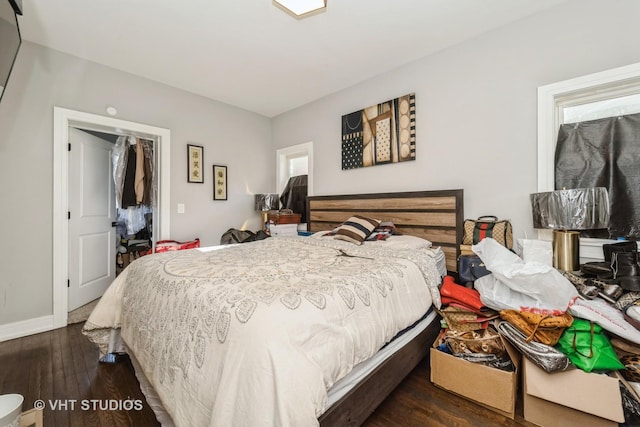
(195, 172)
(219, 182)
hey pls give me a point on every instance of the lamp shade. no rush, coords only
(574, 209)
(266, 202)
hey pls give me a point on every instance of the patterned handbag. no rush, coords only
(484, 341)
(475, 230)
(546, 329)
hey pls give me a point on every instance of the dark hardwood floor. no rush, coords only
(61, 368)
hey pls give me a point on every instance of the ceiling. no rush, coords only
(251, 54)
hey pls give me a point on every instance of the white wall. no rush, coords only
(476, 108)
(43, 78)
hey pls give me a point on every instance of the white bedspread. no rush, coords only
(255, 334)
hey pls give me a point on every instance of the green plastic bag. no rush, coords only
(588, 347)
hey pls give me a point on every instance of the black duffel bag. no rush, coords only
(470, 268)
(233, 235)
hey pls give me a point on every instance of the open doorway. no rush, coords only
(294, 172)
(64, 121)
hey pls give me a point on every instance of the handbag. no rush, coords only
(588, 347)
(173, 245)
(484, 341)
(459, 296)
(543, 328)
(460, 319)
(470, 268)
(475, 230)
(545, 356)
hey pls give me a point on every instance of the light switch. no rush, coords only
(180, 207)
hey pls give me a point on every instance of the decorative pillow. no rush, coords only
(382, 231)
(356, 229)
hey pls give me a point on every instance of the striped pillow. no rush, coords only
(356, 229)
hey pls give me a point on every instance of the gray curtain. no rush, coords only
(294, 196)
(604, 153)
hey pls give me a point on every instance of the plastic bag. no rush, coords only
(536, 251)
(607, 316)
(522, 286)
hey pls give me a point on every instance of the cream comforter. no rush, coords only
(255, 334)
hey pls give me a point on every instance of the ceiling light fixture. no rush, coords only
(301, 8)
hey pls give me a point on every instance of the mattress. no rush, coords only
(321, 306)
(363, 369)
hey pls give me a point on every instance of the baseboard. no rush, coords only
(26, 327)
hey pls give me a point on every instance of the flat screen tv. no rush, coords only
(10, 39)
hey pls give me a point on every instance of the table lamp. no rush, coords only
(266, 202)
(567, 212)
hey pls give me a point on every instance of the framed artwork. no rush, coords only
(195, 171)
(219, 182)
(380, 134)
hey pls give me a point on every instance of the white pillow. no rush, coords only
(402, 242)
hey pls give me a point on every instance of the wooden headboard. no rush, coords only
(433, 215)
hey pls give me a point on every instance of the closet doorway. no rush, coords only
(70, 125)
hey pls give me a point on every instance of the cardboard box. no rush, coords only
(490, 387)
(570, 398)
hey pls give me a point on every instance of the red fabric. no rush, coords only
(173, 245)
(452, 293)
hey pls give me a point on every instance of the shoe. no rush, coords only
(582, 284)
(626, 300)
(608, 249)
(625, 264)
(630, 283)
(601, 270)
(612, 291)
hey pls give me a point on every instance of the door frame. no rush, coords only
(63, 119)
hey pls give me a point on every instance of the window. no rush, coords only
(612, 92)
(294, 161)
(298, 164)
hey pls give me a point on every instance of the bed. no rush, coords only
(257, 333)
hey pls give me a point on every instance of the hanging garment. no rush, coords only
(139, 176)
(128, 187)
(149, 179)
(119, 161)
(134, 217)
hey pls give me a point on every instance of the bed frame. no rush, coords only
(433, 215)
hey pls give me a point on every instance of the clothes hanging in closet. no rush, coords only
(128, 185)
(133, 172)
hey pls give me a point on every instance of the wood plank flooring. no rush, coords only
(61, 367)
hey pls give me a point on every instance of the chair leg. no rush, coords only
(31, 418)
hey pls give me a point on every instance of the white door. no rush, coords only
(92, 240)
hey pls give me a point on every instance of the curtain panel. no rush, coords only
(604, 153)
